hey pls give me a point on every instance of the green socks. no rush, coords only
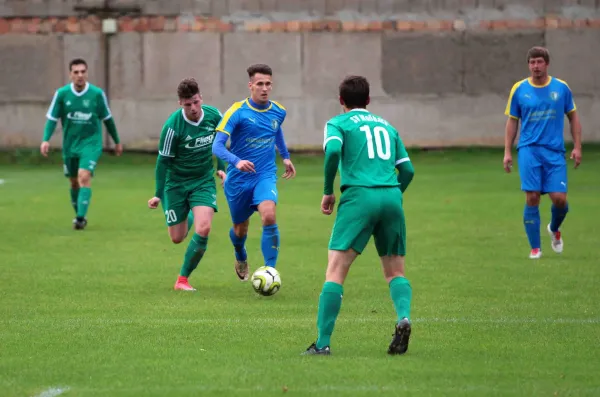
(190, 220)
(401, 293)
(195, 251)
(74, 197)
(330, 303)
(83, 201)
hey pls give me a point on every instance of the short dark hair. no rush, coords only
(187, 88)
(259, 68)
(354, 91)
(538, 52)
(77, 61)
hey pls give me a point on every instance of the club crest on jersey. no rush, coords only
(554, 95)
(86, 103)
(275, 124)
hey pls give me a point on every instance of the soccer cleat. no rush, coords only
(182, 284)
(399, 343)
(313, 351)
(79, 223)
(241, 269)
(535, 253)
(557, 242)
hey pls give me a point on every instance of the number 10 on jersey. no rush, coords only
(383, 148)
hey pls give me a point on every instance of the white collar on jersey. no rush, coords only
(359, 110)
(87, 86)
(196, 123)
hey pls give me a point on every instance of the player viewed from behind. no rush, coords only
(370, 150)
(184, 175)
(80, 107)
(254, 126)
(540, 103)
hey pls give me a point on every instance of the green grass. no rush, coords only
(94, 311)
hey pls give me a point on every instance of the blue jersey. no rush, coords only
(541, 110)
(254, 131)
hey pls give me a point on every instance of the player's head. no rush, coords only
(261, 82)
(354, 92)
(78, 72)
(190, 98)
(538, 59)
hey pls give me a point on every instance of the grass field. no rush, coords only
(93, 313)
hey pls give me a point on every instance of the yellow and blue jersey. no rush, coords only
(255, 131)
(541, 110)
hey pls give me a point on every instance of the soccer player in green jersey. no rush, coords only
(80, 107)
(368, 151)
(184, 175)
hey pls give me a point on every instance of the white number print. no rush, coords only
(171, 217)
(383, 148)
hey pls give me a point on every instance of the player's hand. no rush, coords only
(576, 155)
(119, 149)
(327, 204)
(153, 203)
(508, 162)
(290, 171)
(245, 166)
(45, 148)
(223, 176)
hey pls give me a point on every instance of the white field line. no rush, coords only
(53, 392)
(297, 321)
(337, 389)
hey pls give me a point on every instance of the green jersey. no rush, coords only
(81, 115)
(189, 144)
(371, 149)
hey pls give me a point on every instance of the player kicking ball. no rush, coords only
(184, 176)
(368, 151)
(540, 103)
(81, 108)
(254, 126)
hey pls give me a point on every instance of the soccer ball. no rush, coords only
(266, 281)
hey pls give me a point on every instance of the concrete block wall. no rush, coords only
(440, 70)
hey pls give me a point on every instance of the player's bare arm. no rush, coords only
(576, 134)
(222, 176)
(153, 203)
(327, 204)
(510, 133)
(290, 170)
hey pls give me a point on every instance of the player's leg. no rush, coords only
(239, 199)
(176, 208)
(390, 240)
(87, 165)
(70, 168)
(201, 197)
(530, 171)
(330, 299)
(555, 183)
(351, 233)
(238, 234)
(198, 244)
(265, 198)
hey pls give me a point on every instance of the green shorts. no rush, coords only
(365, 212)
(180, 197)
(87, 161)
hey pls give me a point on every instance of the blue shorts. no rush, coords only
(245, 194)
(542, 170)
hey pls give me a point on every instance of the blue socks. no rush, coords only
(558, 216)
(531, 219)
(270, 244)
(238, 245)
